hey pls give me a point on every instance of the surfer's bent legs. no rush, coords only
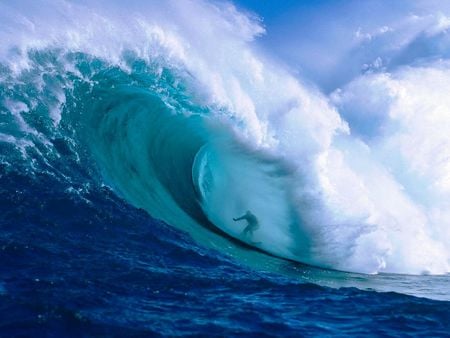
(252, 223)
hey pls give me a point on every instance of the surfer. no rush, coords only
(252, 223)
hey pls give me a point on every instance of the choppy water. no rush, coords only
(92, 265)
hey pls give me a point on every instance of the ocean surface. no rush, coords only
(131, 137)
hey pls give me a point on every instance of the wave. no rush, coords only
(186, 118)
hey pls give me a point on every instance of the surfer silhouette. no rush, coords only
(252, 223)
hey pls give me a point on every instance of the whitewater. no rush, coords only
(177, 108)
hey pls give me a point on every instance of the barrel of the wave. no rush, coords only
(231, 181)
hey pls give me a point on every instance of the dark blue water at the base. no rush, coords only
(82, 265)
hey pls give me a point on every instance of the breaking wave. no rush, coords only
(186, 118)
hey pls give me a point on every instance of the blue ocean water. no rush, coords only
(118, 180)
(112, 270)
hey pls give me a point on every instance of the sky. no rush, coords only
(330, 41)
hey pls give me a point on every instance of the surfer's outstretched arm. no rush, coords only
(239, 218)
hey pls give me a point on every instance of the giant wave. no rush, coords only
(196, 125)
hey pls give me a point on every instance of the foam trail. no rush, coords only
(212, 127)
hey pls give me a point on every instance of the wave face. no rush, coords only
(196, 125)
